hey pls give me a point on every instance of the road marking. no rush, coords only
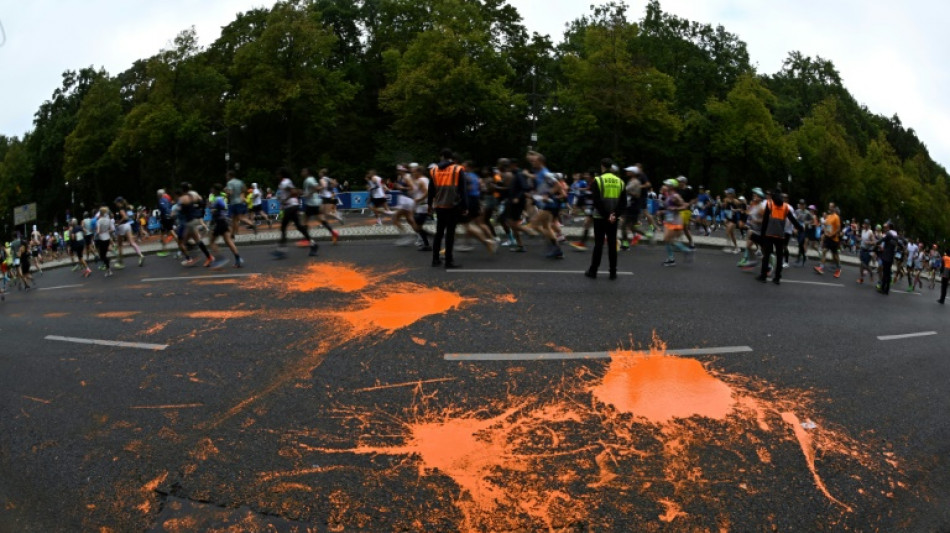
(555, 356)
(120, 344)
(905, 336)
(908, 293)
(183, 278)
(813, 283)
(59, 287)
(502, 271)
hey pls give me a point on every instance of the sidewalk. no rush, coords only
(362, 227)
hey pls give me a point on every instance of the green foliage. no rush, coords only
(355, 84)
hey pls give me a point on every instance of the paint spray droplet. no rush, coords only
(661, 387)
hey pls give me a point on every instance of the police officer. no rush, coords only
(609, 201)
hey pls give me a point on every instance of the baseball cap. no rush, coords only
(671, 183)
(730, 190)
(682, 179)
(758, 192)
(632, 169)
(812, 208)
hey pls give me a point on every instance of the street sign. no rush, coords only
(24, 213)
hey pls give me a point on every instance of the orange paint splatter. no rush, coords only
(398, 310)
(332, 276)
(55, 315)
(155, 328)
(804, 440)
(226, 281)
(420, 342)
(118, 314)
(147, 491)
(673, 511)
(661, 387)
(506, 298)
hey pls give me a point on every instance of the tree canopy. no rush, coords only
(357, 84)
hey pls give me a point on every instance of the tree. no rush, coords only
(88, 162)
(285, 85)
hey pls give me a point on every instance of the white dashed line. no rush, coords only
(120, 344)
(905, 336)
(560, 356)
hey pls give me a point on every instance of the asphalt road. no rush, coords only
(327, 393)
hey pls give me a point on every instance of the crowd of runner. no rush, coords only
(497, 207)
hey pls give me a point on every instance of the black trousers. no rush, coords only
(445, 222)
(943, 288)
(886, 267)
(292, 214)
(772, 245)
(103, 248)
(604, 227)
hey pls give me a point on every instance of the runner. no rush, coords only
(754, 224)
(867, 243)
(631, 216)
(518, 187)
(105, 227)
(472, 222)
(328, 200)
(313, 202)
(584, 204)
(191, 213)
(290, 201)
(831, 236)
(257, 206)
(77, 245)
(405, 209)
(685, 192)
(731, 208)
(548, 197)
(237, 203)
(125, 230)
(673, 205)
(377, 196)
(221, 227)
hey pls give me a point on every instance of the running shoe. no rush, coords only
(162, 254)
(519, 249)
(555, 253)
(335, 235)
(279, 254)
(742, 262)
(189, 261)
(75, 268)
(209, 261)
(669, 263)
(239, 262)
(119, 266)
(108, 273)
(141, 260)
(313, 249)
(837, 273)
(302, 243)
(579, 246)
(785, 265)
(819, 269)
(86, 273)
(464, 248)
(860, 280)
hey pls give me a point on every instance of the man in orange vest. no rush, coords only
(944, 276)
(447, 197)
(776, 213)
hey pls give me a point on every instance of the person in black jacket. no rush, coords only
(887, 246)
(448, 198)
(774, 218)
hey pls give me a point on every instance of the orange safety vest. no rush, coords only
(775, 226)
(446, 177)
(946, 262)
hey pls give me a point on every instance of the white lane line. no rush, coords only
(556, 356)
(908, 293)
(813, 283)
(120, 344)
(59, 287)
(502, 271)
(905, 336)
(184, 278)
